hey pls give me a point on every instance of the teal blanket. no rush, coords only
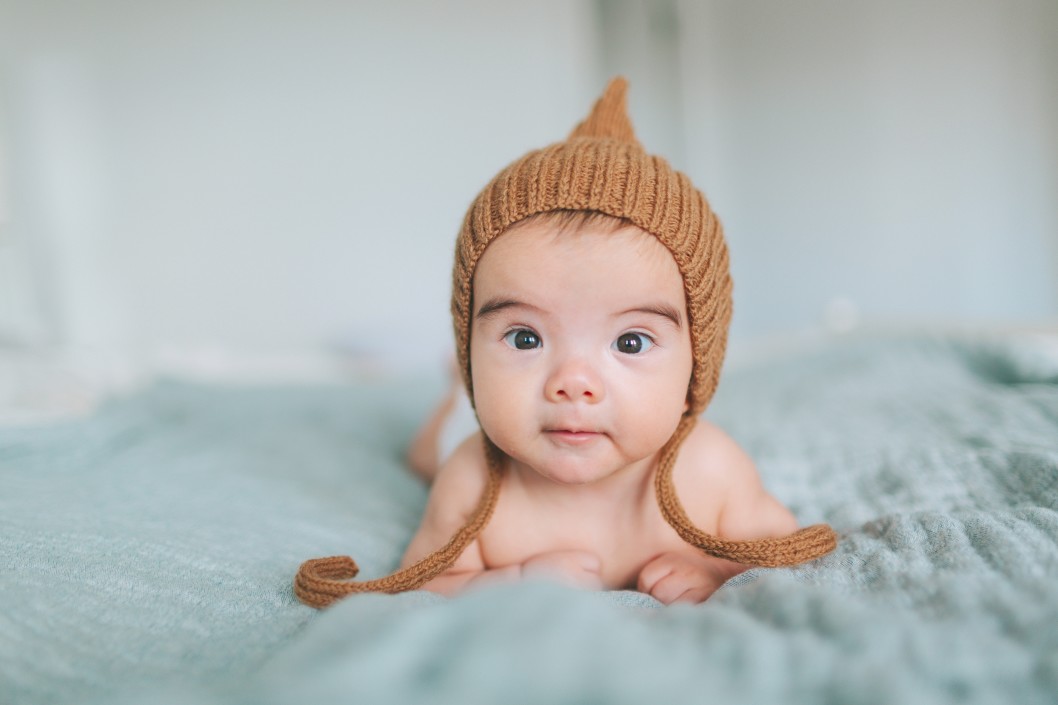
(147, 552)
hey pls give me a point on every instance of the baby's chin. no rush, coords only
(573, 478)
(573, 471)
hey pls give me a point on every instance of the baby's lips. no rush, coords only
(574, 430)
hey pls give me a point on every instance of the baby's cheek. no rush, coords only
(499, 416)
(651, 424)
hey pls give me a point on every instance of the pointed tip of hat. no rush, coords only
(609, 115)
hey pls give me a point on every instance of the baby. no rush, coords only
(591, 302)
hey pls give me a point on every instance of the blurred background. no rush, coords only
(272, 189)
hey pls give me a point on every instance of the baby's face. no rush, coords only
(580, 349)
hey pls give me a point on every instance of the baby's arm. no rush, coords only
(749, 511)
(453, 498)
(454, 495)
(721, 487)
(714, 466)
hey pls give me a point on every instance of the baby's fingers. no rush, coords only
(669, 589)
(694, 595)
(673, 578)
(653, 573)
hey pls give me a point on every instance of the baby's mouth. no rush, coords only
(572, 436)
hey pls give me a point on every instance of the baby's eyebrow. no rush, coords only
(663, 310)
(499, 304)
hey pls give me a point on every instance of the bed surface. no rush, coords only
(147, 552)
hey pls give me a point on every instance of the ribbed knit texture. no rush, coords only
(600, 167)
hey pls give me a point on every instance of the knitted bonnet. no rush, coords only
(600, 167)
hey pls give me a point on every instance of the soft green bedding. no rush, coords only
(146, 553)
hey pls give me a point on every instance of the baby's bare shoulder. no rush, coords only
(712, 469)
(721, 488)
(711, 457)
(454, 496)
(461, 480)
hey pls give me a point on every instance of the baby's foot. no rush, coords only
(424, 454)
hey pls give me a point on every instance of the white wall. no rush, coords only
(266, 175)
(900, 157)
(197, 176)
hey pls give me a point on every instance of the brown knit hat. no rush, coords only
(600, 167)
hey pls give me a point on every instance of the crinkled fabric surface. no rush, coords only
(147, 552)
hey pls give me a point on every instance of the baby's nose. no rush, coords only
(574, 379)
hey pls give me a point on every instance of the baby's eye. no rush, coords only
(633, 343)
(522, 339)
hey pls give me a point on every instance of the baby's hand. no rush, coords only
(675, 577)
(578, 568)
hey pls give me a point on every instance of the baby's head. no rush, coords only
(604, 177)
